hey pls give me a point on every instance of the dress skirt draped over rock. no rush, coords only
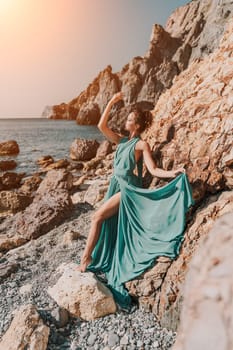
(150, 223)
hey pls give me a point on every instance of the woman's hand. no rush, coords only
(116, 97)
(178, 171)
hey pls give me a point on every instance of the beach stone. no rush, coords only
(60, 164)
(92, 164)
(31, 184)
(70, 237)
(82, 294)
(61, 317)
(10, 180)
(207, 313)
(96, 191)
(56, 180)
(104, 149)
(7, 165)
(13, 202)
(91, 339)
(45, 161)
(83, 150)
(26, 331)
(113, 339)
(6, 269)
(10, 240)
(26, 289)
(9, 148)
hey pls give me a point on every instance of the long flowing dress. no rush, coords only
(150, 223)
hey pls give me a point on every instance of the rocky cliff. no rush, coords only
(191, 32)
(193, 126)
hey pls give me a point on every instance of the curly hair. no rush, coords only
(143, 118)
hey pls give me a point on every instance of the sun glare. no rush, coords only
(6, 5)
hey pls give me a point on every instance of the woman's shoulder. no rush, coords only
(142, 145)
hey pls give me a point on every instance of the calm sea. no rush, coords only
(38, 137)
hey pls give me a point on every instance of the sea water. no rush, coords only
(38, 137)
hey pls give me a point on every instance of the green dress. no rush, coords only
(150, 223)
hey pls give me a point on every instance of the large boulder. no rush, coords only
(27, 331)
(82, 294)
(45, 212)
(83, 149)
(50, 207)
(9, 148)
(207, 312)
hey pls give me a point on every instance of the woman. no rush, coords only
(112, 233)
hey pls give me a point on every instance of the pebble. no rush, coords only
(91, 339)
(132, 331)
(113, 339)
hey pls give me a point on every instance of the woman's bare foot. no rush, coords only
(85, 261)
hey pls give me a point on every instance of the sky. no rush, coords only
(52, 49)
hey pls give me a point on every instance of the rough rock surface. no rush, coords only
(200, 24)
(7, 165)
(104, 149)
(207, 313)
(9, 148)
(45, 161)
(27, 331)
(51, 205)
(96, 191)
(30, 184)
(56, 180)
(193, 123)
(89, 114)
(83, 149)
(12, 202)
(191, 32)
(59, 164)
(45, 212)
(82, 294)
(10, 180)
(160, 289)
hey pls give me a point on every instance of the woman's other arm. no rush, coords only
(103, 122)
(151, 166)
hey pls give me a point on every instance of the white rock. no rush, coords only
(26, 289)
(82, 294)
(26, 331)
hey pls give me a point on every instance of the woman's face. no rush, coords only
(130, 124)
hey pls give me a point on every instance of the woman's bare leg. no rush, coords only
(108, 209)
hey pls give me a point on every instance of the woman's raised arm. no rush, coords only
(103, 122)
(151, 166)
